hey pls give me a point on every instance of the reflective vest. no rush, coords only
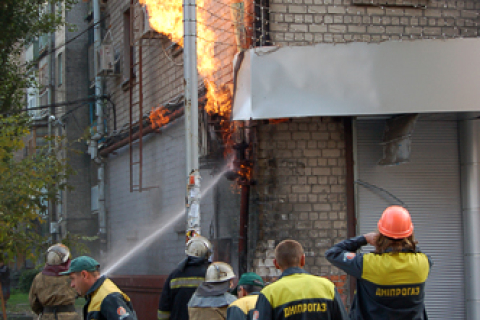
(298, 295)
(389, 285)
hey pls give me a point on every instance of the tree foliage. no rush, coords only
(26, 187)
(21, 21)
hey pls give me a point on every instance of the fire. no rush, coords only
(161, 116)
(166, 18)
(158, 117)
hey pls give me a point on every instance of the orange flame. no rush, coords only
(158, 117)
(161, 116)
(166, 18)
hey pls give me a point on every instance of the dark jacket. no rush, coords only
(298, 295)
(179, 288)
(389, 285)
(104, 301)
(243, 308)
(210, 301)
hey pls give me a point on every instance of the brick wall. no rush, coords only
(312, 21)
(162, 77)
(300, 192)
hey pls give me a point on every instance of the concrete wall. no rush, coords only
(163, 80)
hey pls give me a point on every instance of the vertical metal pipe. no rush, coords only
(191, 84)
(140, 116)
(243, 232)
(102, 219)
(130, 96)
(469, 133)
(51, 118)
(191, 116)
(97, 36)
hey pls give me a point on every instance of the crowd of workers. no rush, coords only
(390, 283)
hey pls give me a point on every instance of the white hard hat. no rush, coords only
(198, 246)
(57, 254)
(219, 272)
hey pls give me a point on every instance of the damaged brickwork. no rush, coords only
(301, 193)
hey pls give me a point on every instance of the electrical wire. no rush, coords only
(51, 51)
(372, 186)
(170, 58)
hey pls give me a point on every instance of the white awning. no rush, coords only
(358, 79)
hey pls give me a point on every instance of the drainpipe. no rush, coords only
(192, 205)
(469, 133)
(100, 130)
(54, 228)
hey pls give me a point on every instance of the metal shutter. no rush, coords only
(429, 185)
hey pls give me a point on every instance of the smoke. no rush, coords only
(120, 256)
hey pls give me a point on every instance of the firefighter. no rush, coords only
(247, 290)
(184, 280)
(50, 294)
(211, 299)
(297, 295)
(390, 280)
(103, 299)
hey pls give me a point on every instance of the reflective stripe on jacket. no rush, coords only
(104, 301)
(242, 309)
(389, 285)
(298, 295)
(179, 288)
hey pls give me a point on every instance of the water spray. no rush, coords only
(148, 240)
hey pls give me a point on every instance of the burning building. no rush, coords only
(323, 134)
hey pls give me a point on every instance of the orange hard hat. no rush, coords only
(395, 223)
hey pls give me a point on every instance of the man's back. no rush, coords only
(179, 288)
(298, 295)
(52, 291)
(243, 308)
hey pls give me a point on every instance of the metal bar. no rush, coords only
(243, 232)
(130, 125)
(140, 109)
(350, 190)
(4, 308)
(469, 131)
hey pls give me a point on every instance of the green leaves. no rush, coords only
(20, 22)
(26, 187)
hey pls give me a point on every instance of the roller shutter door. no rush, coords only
(429, 185)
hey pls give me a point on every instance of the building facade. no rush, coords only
(324, 177)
